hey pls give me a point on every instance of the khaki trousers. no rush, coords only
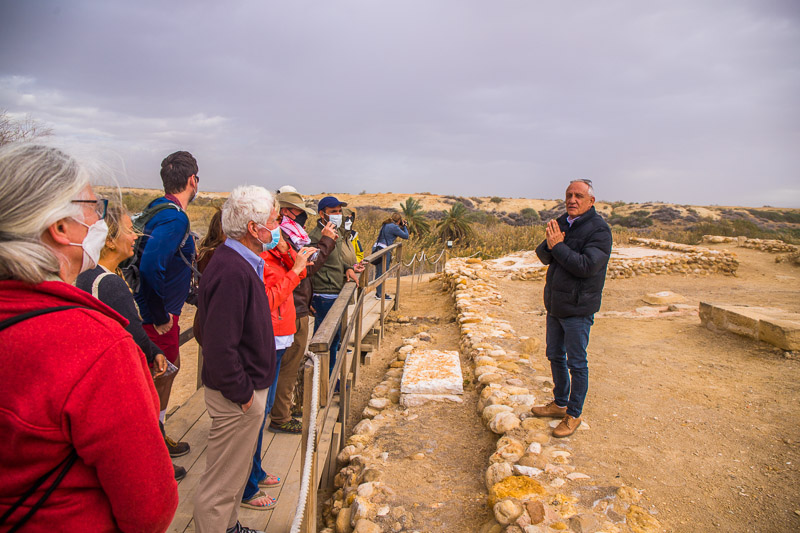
(287, 377)
(231, 443)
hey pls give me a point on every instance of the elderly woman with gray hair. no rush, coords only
(78, 414)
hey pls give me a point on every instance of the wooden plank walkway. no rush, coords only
(281, 455)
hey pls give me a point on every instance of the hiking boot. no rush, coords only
(180, 472)
(176, 449)
(551, 410)
(293, 426)
(567, 427)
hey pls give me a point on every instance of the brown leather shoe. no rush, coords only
(551, 410)
(567, 427)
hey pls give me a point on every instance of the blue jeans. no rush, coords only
(379, 270)
(321, 307)
(256, 472)
(567, 339)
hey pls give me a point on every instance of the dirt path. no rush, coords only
(705, 423)
(444, 490)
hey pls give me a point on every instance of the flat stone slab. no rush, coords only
(432, 372)
(768, 324)
(663, 298)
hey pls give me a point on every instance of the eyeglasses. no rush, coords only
(100, 206)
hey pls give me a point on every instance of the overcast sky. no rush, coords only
(686, 101)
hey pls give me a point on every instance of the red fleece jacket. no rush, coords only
(279, 282)
(75, 378)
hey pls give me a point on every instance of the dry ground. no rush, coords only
(704, 423)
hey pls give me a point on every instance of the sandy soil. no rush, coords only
(704, 423)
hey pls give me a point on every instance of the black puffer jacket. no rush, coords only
(577, 270)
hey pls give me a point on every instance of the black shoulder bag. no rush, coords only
(63, 467)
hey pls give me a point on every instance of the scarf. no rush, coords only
(295, 231)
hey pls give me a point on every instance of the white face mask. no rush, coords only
(92, 244)
(348, 224)
(336, 220)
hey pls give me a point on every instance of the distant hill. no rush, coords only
(765, 222)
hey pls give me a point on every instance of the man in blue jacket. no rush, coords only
(576, 248)
(167, 251)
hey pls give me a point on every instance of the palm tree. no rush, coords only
(412, 212)
(455, 226)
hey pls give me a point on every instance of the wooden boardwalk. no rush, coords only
(281, 455)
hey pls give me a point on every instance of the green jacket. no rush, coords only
(331, 277)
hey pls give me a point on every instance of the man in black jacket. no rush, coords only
(576, 248)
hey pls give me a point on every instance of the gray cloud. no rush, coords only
(683, 101)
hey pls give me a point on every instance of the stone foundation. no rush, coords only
(532, 485)
(768, 324)
(773, 246)
(681, 259)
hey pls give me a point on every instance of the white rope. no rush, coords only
(412, 261)
(437, 259)
(312, 430)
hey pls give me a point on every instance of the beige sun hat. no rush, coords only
(293, 199)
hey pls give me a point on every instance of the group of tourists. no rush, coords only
(89, 311)
(89, 307)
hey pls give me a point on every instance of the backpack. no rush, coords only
(130, 266)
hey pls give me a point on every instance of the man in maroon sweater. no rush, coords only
(235, 330)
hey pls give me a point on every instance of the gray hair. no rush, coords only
(246, 203)
(37, 186)
(588, 184)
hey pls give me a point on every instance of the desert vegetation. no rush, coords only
(476, 227)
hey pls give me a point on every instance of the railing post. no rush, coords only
(199, 366)
(360, 295)
(397, 289)
(310, 513)
(413, 271)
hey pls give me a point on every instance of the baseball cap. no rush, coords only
(329, 201)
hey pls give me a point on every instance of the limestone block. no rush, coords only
(507, 511)
(663, 298)
(432, 372)
(504, 422)
(497, 472)
(768, 324)
(414, 400)
(491, 411)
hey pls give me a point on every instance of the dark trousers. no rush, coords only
(321, 307)
(387, 260)
(567, 339)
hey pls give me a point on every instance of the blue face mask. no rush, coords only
(276, 238)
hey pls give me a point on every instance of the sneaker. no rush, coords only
(293, 426)
(180, 472)
(176, 449)
(567, 427)
(387, 297)
(239, 528)
(550, 410)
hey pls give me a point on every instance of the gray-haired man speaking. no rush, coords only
(576, 248)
